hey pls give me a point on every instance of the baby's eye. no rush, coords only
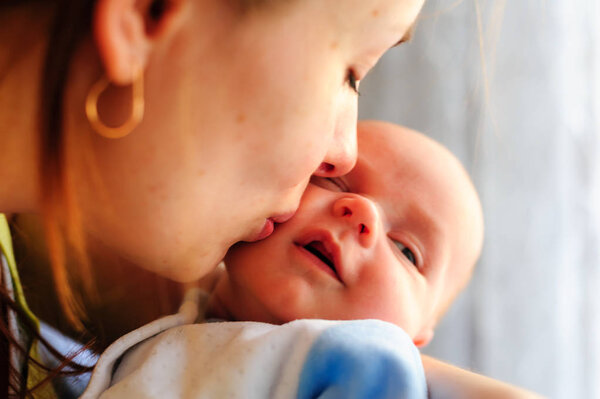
(406, 252)
(352, 81)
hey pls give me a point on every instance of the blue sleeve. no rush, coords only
(362, 359)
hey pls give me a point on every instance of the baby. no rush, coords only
(395, 240)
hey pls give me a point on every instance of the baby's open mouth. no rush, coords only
(318, 249)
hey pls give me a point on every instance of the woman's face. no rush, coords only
(241, 109)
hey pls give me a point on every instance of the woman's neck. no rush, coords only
(217, 308)
(21, 60)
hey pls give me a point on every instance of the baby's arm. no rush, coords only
(362, 359)
(445, 381)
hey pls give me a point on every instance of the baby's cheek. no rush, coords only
(377, 303)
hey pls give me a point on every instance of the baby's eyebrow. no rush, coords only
(407, 36)
(424, 224)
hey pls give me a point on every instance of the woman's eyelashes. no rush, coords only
(330, 183)
(338, 183)
(352, 81)
(407, 252)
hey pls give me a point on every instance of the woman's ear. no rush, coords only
(126, 31)
(423, 338)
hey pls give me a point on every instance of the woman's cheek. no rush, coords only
(296, 166)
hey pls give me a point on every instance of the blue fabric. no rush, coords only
(66, 387)
(385, 364)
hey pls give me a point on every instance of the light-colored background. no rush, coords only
(525, 120)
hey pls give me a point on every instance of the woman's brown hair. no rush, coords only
(71, 21)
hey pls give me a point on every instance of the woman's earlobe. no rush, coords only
(126, 31)
(119, 33)
(423, 338)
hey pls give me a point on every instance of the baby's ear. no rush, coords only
(424, 337)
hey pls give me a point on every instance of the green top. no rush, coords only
(33, 374)
(7, 250)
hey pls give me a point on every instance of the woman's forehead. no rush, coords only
(375, 24)
(395, 18)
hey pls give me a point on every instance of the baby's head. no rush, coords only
(396, 239)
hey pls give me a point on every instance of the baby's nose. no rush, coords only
(361, 215)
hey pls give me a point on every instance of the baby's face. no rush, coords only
(395, 239)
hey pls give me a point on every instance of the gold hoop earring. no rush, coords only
(137, 108)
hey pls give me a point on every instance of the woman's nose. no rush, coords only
(341, 155)
(340, 159)
(359, 215)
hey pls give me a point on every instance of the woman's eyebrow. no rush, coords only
(407, 36)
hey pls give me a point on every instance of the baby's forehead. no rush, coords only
(425, 175)
(402, 157)
(376, 138)
(399, 153)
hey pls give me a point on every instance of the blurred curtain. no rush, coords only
(513, 89)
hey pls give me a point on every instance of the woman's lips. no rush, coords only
(269, 226)
(283, 217)
(266, 231)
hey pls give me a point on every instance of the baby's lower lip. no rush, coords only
(266, 231)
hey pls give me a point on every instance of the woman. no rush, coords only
(160, 132)
(169, 130)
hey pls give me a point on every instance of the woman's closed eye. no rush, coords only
(330, 183)
(407, 252)
(352, 81)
